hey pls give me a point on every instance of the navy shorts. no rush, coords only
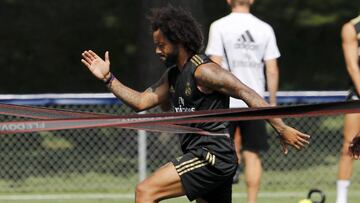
(253, 135)
(205, 176)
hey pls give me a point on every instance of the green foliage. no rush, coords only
(41, 41)
(308, 34)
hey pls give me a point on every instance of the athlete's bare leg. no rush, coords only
(253, 171)
(351, 129)
(163, 184)
(253, 167)
(237, 143)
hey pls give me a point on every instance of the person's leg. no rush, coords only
(253, 171)
(163, 184)
(351, 128)
(237, 143)
(254, 139)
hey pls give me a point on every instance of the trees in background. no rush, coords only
(41, 41)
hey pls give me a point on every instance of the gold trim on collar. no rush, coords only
(197, 60)
(355, 20)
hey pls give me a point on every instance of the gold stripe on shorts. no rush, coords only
(190, 165)
(192, 168)
(210, 158)
(186, 162)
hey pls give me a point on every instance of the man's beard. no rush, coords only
(171, 59)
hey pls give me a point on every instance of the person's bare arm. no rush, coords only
(350, 49)
(211, 77)
(139, 101)
(272, 79)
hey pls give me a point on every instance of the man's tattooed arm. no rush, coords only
(140, 101)
(211, 77)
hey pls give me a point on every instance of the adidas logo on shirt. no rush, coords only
(246, 37)
(246, 41)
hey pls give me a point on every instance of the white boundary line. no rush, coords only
(131, 196)
(311, 93)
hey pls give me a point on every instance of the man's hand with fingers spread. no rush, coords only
(99, 67)
(293, 137)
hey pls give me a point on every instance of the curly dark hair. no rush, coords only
(178, 26)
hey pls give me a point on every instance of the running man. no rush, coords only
(191, 82)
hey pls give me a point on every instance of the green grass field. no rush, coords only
(295, 188)
(263, 198)
(284, 186)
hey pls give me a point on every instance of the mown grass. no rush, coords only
(277, 187)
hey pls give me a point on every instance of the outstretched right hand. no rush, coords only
(99, 67)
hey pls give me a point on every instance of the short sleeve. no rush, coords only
(272, 50)
(215, 45)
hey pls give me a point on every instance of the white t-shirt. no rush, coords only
(244, 42)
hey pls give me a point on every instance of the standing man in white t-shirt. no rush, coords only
(244, 44)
